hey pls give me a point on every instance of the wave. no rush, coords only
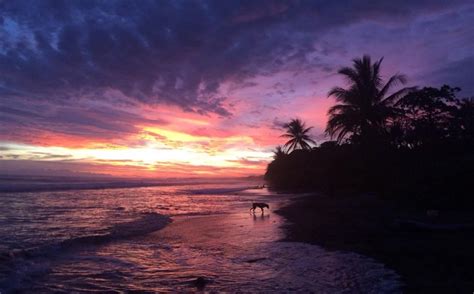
(48, 187)
(226, 190)
(13, 184)
(12, 264)
(147, 223)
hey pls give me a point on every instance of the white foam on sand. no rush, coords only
(305, 267)
(232, 251)
(242, 252)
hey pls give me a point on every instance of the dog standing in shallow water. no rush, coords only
(260, 205)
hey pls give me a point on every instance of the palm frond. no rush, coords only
(341, 94)
(297, 132)
(363, 106)
(397, 95)
(340, 108)
(393, 81)
(306, 130)
(350, 74)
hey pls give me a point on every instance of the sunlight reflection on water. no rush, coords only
(233, 249)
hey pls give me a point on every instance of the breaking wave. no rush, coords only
(224, 190)
(17, 265)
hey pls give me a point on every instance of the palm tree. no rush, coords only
(364, 107)
(297, 131)
(278, 153)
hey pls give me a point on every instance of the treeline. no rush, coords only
(414, 144)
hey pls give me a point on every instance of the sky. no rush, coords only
(199, 88)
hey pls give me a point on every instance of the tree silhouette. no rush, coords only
(364, 107)
(465, 121)
(429, 115)
(279, 153)
(297, 131)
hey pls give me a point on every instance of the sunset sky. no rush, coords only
(199, 88)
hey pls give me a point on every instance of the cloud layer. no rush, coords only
(74, 73)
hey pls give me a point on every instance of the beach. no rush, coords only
(244, 252)
(183, 238)
(427, 261)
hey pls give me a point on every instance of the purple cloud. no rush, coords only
(181, 53)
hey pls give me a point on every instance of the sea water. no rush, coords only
(162, 238)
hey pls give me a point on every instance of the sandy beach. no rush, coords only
(428, 261)
(243, 251)
(168, 239)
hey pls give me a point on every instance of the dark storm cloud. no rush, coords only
(55, 53)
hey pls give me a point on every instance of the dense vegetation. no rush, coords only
(414, 144)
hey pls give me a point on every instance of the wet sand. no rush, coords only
(429, 262)
(229, 250)
(242, 252)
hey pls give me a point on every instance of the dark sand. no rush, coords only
(428, 261)
(241, 252)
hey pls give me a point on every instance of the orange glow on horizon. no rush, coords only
(169, 142)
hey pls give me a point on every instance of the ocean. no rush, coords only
(114, 237)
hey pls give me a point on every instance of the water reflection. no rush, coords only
(239, 252)
(230, 249)
(261, 217)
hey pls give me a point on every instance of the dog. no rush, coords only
(260, 205)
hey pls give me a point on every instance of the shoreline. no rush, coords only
(427, 261)
(251, 244)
